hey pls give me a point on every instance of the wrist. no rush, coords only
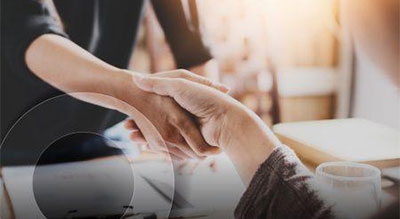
(243, 132)
(247, 141)
(237, 122)
(121, 87)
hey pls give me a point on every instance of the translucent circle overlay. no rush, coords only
(83, 186)
(69, 169)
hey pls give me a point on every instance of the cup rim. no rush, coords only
(376, 173)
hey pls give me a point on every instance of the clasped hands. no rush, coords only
(192, 113)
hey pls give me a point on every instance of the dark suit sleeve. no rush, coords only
(22, 21)
(182, 35)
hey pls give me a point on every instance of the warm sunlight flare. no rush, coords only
(247, 33)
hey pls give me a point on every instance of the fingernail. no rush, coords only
(213, 151)
(224, 88)
(217, 150)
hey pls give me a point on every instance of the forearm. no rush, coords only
(252, 144)
(66, 66)
(273, 174)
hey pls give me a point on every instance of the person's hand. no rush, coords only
(224, 121)
(214, 109)
(176, 125)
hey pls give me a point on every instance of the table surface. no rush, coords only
(389, 194)
(354, 140)
(197, 195)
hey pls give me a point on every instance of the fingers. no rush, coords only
(166, 84)
(130, 124)
(192, 145)
(179, 153)
(189, 152)
(137, 136)
(191, 133)
(181, 73)
(181, 150)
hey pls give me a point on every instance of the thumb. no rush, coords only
(160, 86)
(183, 74)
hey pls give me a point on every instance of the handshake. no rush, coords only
(189, 112)
(197, 118)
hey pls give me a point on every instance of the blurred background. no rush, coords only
(287, 62)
